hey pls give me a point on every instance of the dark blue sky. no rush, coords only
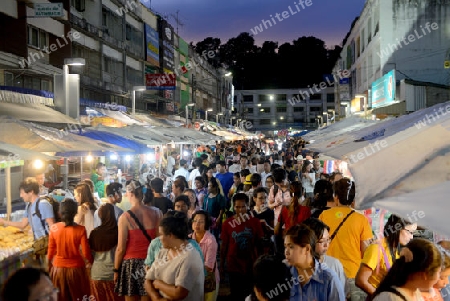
(328, 20)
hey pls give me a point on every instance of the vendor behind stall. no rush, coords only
(29, 192)
(98, 178)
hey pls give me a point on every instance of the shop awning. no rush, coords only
(114, 139)
(46, 139)
(154, 121)
(402, 165)
(137, 133)
(9, 152)
(120, 116)
(34, 113)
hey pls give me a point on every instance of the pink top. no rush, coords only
(208, 244)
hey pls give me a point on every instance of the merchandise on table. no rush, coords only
(13, 242)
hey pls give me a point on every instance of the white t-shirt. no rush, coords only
(185, 270)
(385, 296)
(181, 172)
(170, 164)
(194, 173)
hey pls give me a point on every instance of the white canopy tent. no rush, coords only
(348, 125)
(402, 165)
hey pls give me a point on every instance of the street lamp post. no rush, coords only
(217, 117)
(67, 97)
(325, 118)
(133, 98)
(365, 103)
(187, 112)
(206, 113)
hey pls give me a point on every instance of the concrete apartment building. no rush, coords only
(274, 109)
(409, 38)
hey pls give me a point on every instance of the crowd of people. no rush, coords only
(272, 227)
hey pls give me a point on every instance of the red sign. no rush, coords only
(166, 81)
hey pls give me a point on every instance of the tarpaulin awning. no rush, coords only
(34, 113)
(403, 165)
(9, 152)
(117, 115)
(137, 133)
(341, 127)
(153, 121)
(46, 139)
(112, 138)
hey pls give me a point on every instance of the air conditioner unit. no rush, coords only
(100, 33)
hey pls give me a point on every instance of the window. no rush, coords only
(299, 120)
(79, 5)
(358, 47)
(107, 64)
(264, 121)
(299, 109)
(248, 98)
(37, 37)
(315, 97)
(33, 36)
(369, 30)
(281, 109)
(43, 39)
(264, 110)
(280, 97)
(315, 109)
(250, 110)
(363, 42)
(330, 97)
(45, 85)
(9, 79)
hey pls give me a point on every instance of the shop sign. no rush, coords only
(152, 45)
(45, 10)
(383, 90)
(163, 81)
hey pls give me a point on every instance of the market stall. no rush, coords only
(414, 152)
(15, 245)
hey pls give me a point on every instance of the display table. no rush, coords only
(8, 266)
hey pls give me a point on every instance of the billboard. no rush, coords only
(151, 45)
(167, 51)
(383, 90)
(163, 81)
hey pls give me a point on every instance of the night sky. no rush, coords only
(328, 20)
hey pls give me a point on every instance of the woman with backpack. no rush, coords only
(67, 266)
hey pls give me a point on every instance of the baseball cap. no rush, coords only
(248, 180)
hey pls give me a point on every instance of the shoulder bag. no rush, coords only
(340, 225)
(210, 280)
(140, 225)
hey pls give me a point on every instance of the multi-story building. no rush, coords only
(275, 109)
(409, 37)
(121, 41)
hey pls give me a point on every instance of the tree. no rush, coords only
(209, 44)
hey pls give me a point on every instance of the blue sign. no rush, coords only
(383, 90)
(344, 81)
(152, 45)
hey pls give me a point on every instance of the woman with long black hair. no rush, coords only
(67, 266)
(380, 256)
(103, 243)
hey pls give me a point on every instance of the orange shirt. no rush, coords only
(346, 246)
(64, 246)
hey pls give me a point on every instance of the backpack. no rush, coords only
(55, 206)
